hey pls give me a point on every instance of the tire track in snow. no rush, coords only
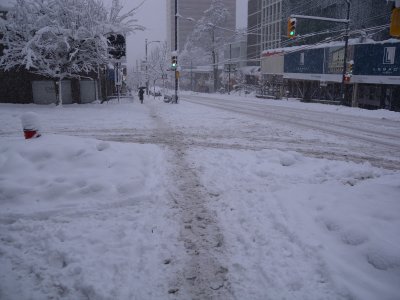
(361, 124)
(217, 141)
(371, 136)
(204, 275)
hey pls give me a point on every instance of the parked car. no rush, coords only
(168, 98)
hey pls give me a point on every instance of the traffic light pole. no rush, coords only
(147, 74)
(321, 18)
(176, 49)
(229, 74)
(346, 44)
(346, 41)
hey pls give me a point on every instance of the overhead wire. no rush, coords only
(256, 30)
(303, 47)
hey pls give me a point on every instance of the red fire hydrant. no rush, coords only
(30, 125)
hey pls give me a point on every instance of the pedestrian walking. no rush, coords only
(141, 92)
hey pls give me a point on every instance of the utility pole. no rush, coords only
(229, 74)
(137, 71)
(215, 67)
(346, 45)
(117, 77)
(191, 75)
(147, 75)
(176, 50)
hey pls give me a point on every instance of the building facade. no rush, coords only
(271, 29)
(267, 21)
(364, 15)
(193, 9)
(314, 73)
(253, 32)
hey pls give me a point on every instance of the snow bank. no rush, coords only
(88, 219)
(77, 118)
(81, 219)
(306, 228)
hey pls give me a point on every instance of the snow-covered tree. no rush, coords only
(159, 61)
(135, 78)
(210, 35)
(62, 38)
(194, 56)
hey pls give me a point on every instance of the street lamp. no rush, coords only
(147, 75)
(176, 51)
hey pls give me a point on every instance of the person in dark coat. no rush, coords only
(141, 92)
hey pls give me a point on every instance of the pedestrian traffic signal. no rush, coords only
(395, 22)
(174, 62)
(291, 29)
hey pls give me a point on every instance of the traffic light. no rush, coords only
(395, 22)
(291, 29)
(351, 64)
(174, 62)
(117, 46)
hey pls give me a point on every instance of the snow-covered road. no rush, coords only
(218, 197)
(378, 139)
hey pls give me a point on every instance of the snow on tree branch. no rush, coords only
(62, 38)
(207, 33)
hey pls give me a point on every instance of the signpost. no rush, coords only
(117, 50)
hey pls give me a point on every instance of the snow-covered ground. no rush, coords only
(161, 201)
